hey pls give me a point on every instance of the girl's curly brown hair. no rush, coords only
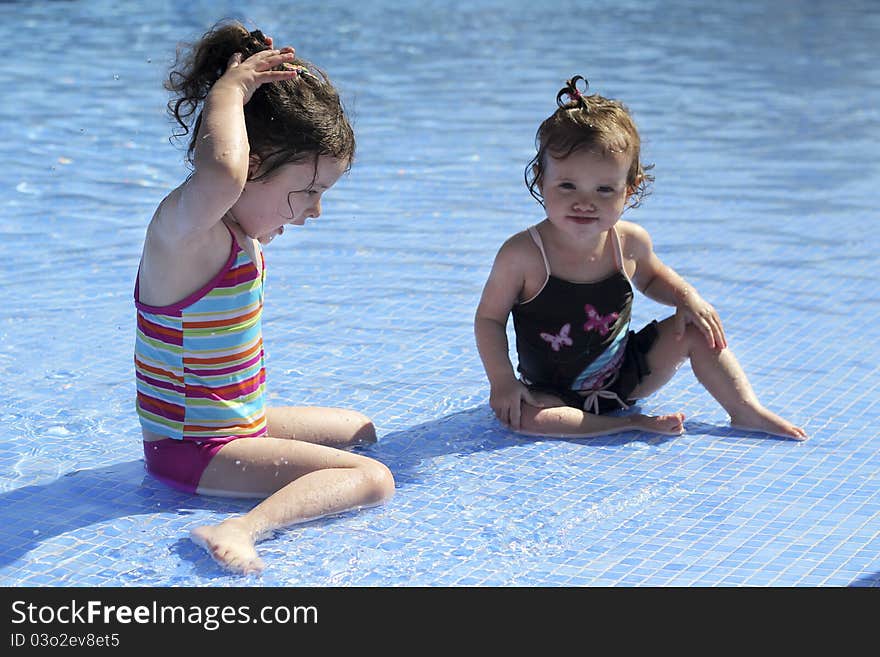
(588, 122)
(287, 121)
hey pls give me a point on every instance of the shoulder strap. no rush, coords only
(236, 247)
(536, 237)
(617, 251)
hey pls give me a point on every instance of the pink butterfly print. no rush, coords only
(597, 322)
(561, 340)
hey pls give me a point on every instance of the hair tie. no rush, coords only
(300, 70)
(571, 94)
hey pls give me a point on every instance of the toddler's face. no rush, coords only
(289, 196)
(585, 191)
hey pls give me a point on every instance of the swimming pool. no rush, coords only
(762, 120)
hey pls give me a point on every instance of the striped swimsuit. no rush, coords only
(199, 371)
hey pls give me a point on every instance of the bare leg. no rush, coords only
(299, 480)
(719, 372)
(559, 420)
(335, 427)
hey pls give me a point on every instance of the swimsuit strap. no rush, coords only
(236, 247)
(536, 237)
(233, 252)
(618, 251)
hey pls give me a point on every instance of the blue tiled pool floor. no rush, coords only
(477, 505)
(764, 200)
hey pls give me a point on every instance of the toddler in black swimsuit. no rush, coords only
(568, 282)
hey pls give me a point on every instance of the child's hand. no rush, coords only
(693, 309)
(507, 399)
(256, 70)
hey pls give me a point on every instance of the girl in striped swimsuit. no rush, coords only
(269, 137)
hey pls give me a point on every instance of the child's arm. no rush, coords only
(222, 155)
(661, 283)
(501, 291)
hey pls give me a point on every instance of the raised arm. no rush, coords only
(222, 155)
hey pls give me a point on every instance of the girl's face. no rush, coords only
(585, 192)
(290, 195)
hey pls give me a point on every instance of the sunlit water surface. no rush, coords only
(762, 121)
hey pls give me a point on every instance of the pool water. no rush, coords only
(762, 121)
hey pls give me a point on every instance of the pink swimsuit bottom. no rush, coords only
(180, 463)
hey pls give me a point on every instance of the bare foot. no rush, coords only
(669, 425)
(761, 419)
(230, 544)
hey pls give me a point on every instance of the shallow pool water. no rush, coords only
(762, 121)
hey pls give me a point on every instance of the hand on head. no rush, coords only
(258, 69)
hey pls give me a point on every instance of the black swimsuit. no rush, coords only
(573, 339)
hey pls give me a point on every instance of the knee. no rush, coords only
(363, 429)
(380, 482)
(685, 342)
(694, 341)
(692, 334)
